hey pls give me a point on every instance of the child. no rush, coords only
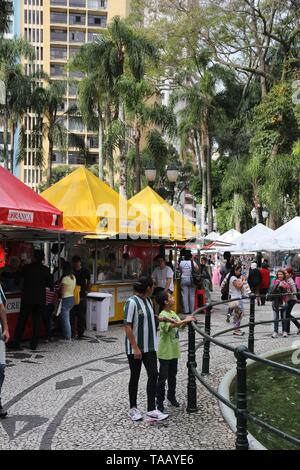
(168, 349)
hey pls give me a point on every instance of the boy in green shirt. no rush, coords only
(168, 348)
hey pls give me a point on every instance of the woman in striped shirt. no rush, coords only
(141, 347)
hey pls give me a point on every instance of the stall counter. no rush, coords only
(121, 291)
(13, 305)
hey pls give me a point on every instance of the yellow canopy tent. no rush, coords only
(161, 220)
(88, 204)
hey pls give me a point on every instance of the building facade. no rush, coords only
(57, 29)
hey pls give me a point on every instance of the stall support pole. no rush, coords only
(58, 257)
(96, 261)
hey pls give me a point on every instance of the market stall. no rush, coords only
(122, 237)
(26, 219)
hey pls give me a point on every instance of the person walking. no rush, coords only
(264, 283)
(254, 280)
(292, 300)
(206, 278)
(67, 287)
(4, 338)
(141, 347)
(83, 279)
(188, 287)
(168, 349)
(280, 291)
(238, 287)
(36, 277)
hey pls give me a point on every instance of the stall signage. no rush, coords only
(124, 293)
(20, 216)
(13, 305)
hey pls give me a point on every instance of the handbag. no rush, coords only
(196, 276)
(77, 290)
(58, 308)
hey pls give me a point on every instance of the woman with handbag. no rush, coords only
(68, 284)
(188, 272)
(238, 287)
(279, 297)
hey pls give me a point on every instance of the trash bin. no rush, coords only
(97, 314)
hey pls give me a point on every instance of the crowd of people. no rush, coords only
(282, 292)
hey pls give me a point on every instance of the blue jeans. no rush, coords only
(67, 305)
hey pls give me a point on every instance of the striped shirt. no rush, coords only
(139, 314)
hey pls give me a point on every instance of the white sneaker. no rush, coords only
(156, 414)
(274, 335)
(135, 414)
(285, 334)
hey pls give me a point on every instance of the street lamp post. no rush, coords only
(172, 175)
(150, 174)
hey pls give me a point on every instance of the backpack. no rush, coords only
(225, 288)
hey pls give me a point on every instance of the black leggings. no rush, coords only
(150, 363)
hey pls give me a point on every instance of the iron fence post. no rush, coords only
(206, 348)
(251, 323)
(192, 386)
(241, 442)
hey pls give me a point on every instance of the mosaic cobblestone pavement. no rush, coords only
(75, 396)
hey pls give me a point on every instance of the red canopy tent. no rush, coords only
(20, 206)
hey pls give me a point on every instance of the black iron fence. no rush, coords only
(241, 353)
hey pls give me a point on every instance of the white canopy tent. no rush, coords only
(212, 236)
(249, 240)
(285, 238)
(230, 236)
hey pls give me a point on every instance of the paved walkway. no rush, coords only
(75, 396)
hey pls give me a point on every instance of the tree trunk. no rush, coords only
(100, 145)
(237, 219)
(210, 215)
(5, 139)
(122, 158)
(204, 178)
(111, 169)
(137, 161)
(198, 153)
(50, 159)
(12, 147)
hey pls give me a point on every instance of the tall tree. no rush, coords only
(47, 102)
(15, 86)
(5, 11)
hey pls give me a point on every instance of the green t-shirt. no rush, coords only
(168, 345)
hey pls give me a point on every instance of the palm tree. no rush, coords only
(16, 87)
(141, 115)
(51, 123)
(118, 50)
(5, 12)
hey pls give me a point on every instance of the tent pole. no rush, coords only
(96, 262)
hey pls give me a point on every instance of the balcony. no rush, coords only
(58, 36)
(57, 17)
(77, 20)
(60, 3)
(57, 70)
(77, 36)
(97, 4)
(58, 53)
(77, 3)
(75, 159)
(98, 21)
(92, 37)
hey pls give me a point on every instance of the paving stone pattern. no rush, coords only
(75, 396)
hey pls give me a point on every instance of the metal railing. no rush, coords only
(241, 353)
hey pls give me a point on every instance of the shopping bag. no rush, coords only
(58, 309)
(77, 295)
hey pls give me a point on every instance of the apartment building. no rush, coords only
(57, 29)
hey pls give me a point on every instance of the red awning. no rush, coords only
(21, 206)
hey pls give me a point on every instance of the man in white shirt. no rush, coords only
(163, 277)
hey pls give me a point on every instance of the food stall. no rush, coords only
(26, 220)
(122, 237)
